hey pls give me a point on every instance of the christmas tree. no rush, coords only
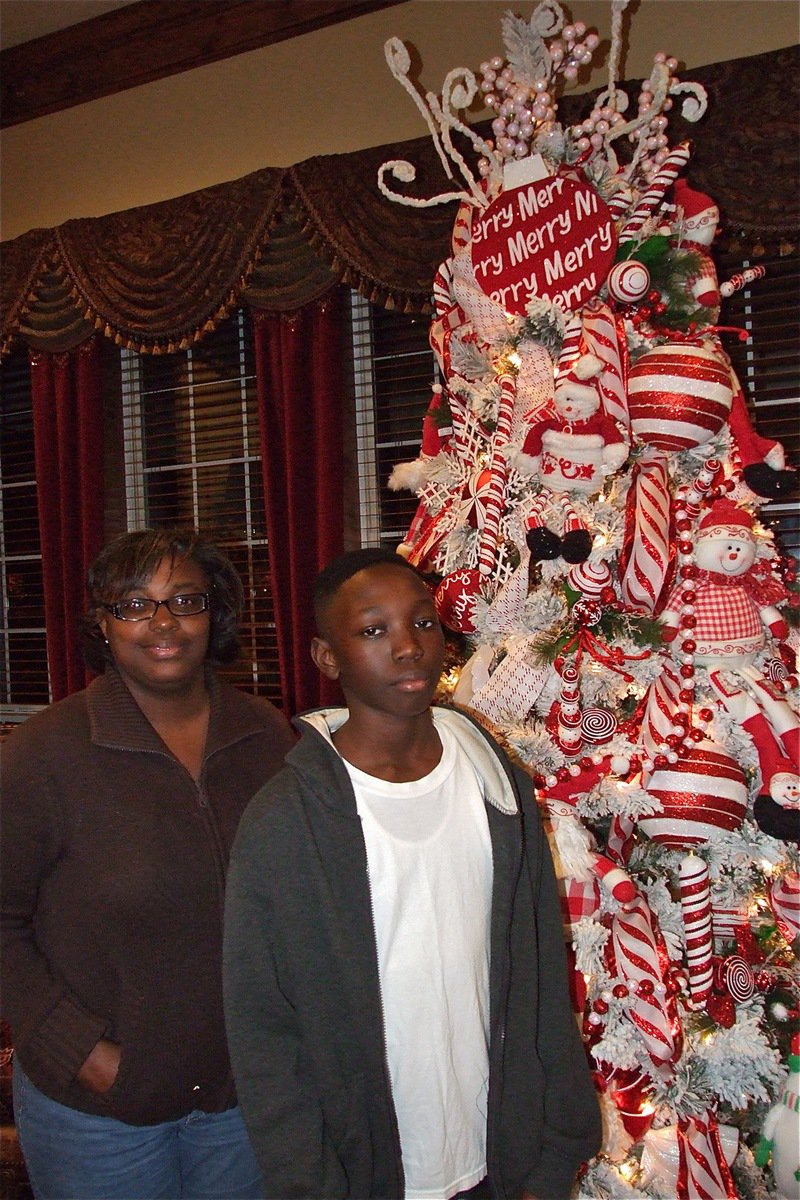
(589, 487)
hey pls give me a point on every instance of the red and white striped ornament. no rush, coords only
(703, 1172)
(455, 598)
(495, 499)
(784, 899)
(701, 794)
(589, 578)
(664, 177)
(695, 899)
(637, 950)
(628, 281)
(679, 395)
(645, 558)
(604, 337)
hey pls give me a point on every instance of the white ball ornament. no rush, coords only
(628, 281)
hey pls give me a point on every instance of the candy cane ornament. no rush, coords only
(666, 175)
(487, 549)
(696, 910)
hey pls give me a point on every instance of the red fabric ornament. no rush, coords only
(720, 1008)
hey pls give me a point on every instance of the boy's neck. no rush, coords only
(399, 751)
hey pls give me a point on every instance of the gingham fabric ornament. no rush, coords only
(696, 912)
(701, 794)
(679, 395)
(579, 899)
(628, 281)
(455, 600)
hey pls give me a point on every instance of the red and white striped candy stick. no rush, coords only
(741, 280)
(487, 548)
(696, 911)
(664, 177)
(603, 340)
(645, 557)
(634, 944)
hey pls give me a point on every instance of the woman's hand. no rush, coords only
(99, 1070)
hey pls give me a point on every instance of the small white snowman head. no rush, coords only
(725, 542)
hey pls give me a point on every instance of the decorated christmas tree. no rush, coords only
(589, 487)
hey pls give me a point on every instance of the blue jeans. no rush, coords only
(72, 1155)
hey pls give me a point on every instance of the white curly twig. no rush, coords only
(399, 61)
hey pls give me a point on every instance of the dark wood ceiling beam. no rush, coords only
(149, 40)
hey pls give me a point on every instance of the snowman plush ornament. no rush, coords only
(574, 450)
(781, 1135)
(731, 606)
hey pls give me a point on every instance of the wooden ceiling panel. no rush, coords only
(148, 40)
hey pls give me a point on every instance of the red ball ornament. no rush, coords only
(455, 598)
(679, 396)
(685, 696)
(689, 646)
(689, 571)
(687, 671)
(620, 991)
(701, 794)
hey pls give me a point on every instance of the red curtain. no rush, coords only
(299, 374)
(68, 446)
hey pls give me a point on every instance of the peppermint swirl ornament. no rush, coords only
(598, 725)
(776, 671)
(738, 978)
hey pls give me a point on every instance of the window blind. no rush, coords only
(23, 645)
(192, 458)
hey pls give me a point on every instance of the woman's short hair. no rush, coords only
(129, 561)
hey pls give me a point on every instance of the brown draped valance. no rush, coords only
(159, 277)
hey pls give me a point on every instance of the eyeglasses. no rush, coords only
(140, 608)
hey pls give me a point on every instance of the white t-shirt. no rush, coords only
(430, 869)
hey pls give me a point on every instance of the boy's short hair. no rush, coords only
(337, 573)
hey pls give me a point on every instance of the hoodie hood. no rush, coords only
(496, 785)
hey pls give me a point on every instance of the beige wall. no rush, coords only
(325, 93)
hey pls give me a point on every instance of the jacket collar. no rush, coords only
(498, 789)
(115, 719)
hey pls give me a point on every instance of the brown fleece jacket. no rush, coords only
(113, 869)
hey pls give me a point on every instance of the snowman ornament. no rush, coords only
(726, 607)
(574, 450)
(781, 1134)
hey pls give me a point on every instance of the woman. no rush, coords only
(120, 807)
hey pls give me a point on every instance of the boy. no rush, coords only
(396, 993)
